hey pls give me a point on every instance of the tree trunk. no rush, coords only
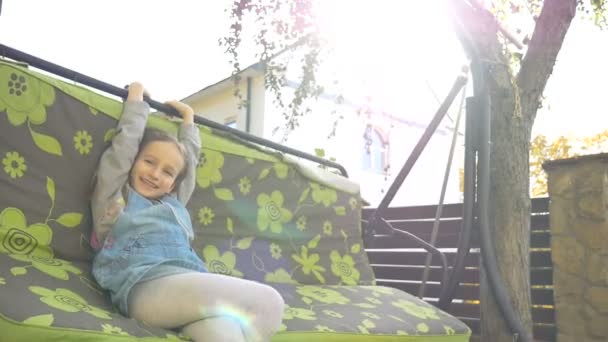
(509, 206)
(514, 103)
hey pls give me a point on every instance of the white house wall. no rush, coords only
(422, 186)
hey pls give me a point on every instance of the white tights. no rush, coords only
(209, 307)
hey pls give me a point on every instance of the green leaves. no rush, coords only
(50, 188)
(16, 271)
(46, 143)
(70, 220)
(41, 320)
(264, 173)
(314, 242)
(244, 243)
(224, 194)
(109, 134)
(304, 196)
(229, 225)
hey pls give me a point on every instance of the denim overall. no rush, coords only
(149, 240)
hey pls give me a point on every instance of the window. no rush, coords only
(375, 156)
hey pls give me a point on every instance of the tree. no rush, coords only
(515, 82)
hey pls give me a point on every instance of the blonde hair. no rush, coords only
(151, 135)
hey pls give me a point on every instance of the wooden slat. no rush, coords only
(415, 273)
(416, 227)
(540, 259)
(539, 315)
(540, 239)
(448, 235)
(538, 276)
(539, 222)
(541, 276)
(432, 290)
(397, 241)
(542, 332)
(397, 257)
(454, 225)
(542, 296)
(539, 205)
(468, 292)
(417, 212)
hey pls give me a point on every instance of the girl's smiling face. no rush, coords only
(156, 168)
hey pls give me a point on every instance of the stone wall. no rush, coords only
(578, 188)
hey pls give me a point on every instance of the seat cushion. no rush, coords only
(363, 313)
(47, 296)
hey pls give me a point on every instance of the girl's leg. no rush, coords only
(181, 299)
(214, 329)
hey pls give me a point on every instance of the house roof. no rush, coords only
(256, 69)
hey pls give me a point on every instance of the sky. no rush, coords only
(172, 47)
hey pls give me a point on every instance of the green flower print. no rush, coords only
(322, 294)
(222, 264)
(18, 238)
(324, 328)
(209, 165)
(301, 223)
(344, 267)
(2, 281)
(178, 338)
(449, 330)
(422, 327)
(281, 170)
(279, 276)
(380, 289)
(24, 97)
(205, 216)
(327, 228)
(420, 311)
(305, 314)
(402, 332)
(83, 142)
(365, 325)
(271, 212)
(66, 300)
(322, 194)
(370, 315)
(56, 268)
(14, 164)
(333, 314)
(353, 203)
(244, 185)
(309, 263)
(373, 300)
(112, 330)
(275, 251)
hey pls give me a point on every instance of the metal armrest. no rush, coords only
(386, 228)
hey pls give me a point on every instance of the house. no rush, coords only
(371, 144)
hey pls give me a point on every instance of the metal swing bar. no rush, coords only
(39, 63)
(377, 224)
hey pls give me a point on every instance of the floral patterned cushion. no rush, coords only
(255, 215)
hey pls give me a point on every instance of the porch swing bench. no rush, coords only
(257, 214)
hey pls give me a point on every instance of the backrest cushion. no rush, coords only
(255, 215)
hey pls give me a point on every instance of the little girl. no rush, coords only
(142, 233)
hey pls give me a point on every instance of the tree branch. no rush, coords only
(547, 39)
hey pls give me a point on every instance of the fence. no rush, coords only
(400, 264)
